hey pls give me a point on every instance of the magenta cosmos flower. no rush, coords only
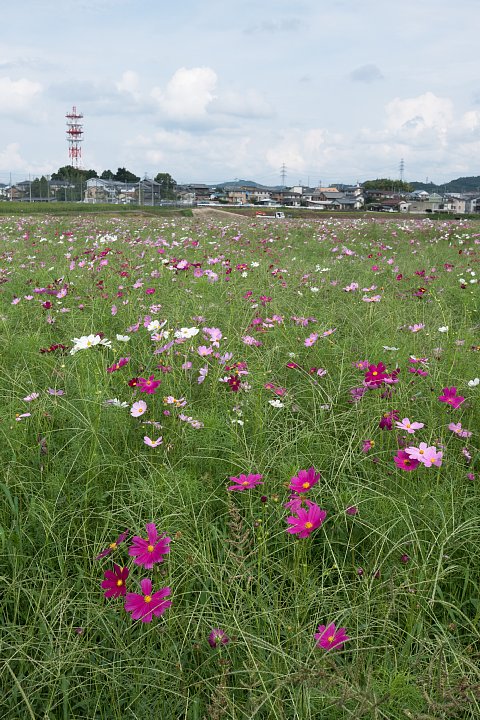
(245, 482)
(304, 480)
(218, 637)
(375, 375)
(450, 397)
(148, 552)
(148, 385)
(403, 461)
(144, 607)
(307, 520)
(328, 637)
(114, 583)
(113, 546)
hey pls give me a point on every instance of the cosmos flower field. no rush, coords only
(240, 468)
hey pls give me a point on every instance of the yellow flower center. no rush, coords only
(306, 485)
(113, 546)
(408, 425)
(331, 638)
(245, 482)
(308, 525)
(119, 583)
(150, 548)
(148, 598)
(374, 372)
(421, 452)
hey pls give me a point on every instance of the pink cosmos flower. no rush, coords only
(427, 455)
(245, 482)
(457, 429)
(408, 426)
(113, 546)
(416, 327)
(148, 386)
(144, 607)
(328, 637)
(32, 396)
(450, 397)
(138, 408)
(367, 445)
(404, 462)
(304, 480)
(152, 443)
(116, 366)
(148, 552)
(114, 583)
(311, 340)
(307, 520)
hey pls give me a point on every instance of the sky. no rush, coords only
(210, 91)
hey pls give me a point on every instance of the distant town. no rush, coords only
(124, 188)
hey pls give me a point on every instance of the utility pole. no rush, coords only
(402, 168)
(283, 173)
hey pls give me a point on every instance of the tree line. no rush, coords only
(76, 178)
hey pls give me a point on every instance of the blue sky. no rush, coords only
(337, 90)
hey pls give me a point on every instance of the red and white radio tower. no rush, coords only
(74, 136)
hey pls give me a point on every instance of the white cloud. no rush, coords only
(248, 104)
(17, 95)
(188, 94)
(426, 111)
(129, 83)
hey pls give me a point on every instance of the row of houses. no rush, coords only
(148, 192)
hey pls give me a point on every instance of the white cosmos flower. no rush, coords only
(186, 333)
(276, 403)
(443, 329)
(123, 338)
(386, 347)
(87, 341)
(474, 383)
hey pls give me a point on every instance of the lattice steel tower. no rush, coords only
(74, 136)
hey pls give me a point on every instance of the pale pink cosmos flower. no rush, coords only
(32, 396)
(311, 340)
(408, 426)
(203, 350)
(138, 408)
(152, 443)
(458, 430)
(416, 327)
(428, 455)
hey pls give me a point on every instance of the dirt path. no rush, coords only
(206, 212)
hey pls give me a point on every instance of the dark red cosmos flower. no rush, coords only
(387, 419)
(133, 382)
(234, 382)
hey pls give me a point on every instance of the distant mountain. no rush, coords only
(232, 184)
(460, 185)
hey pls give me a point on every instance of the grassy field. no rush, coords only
(151, 364)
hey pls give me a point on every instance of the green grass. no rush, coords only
(76, 473)
(79, 208)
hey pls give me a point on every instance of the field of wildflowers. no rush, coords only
(240, 468)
